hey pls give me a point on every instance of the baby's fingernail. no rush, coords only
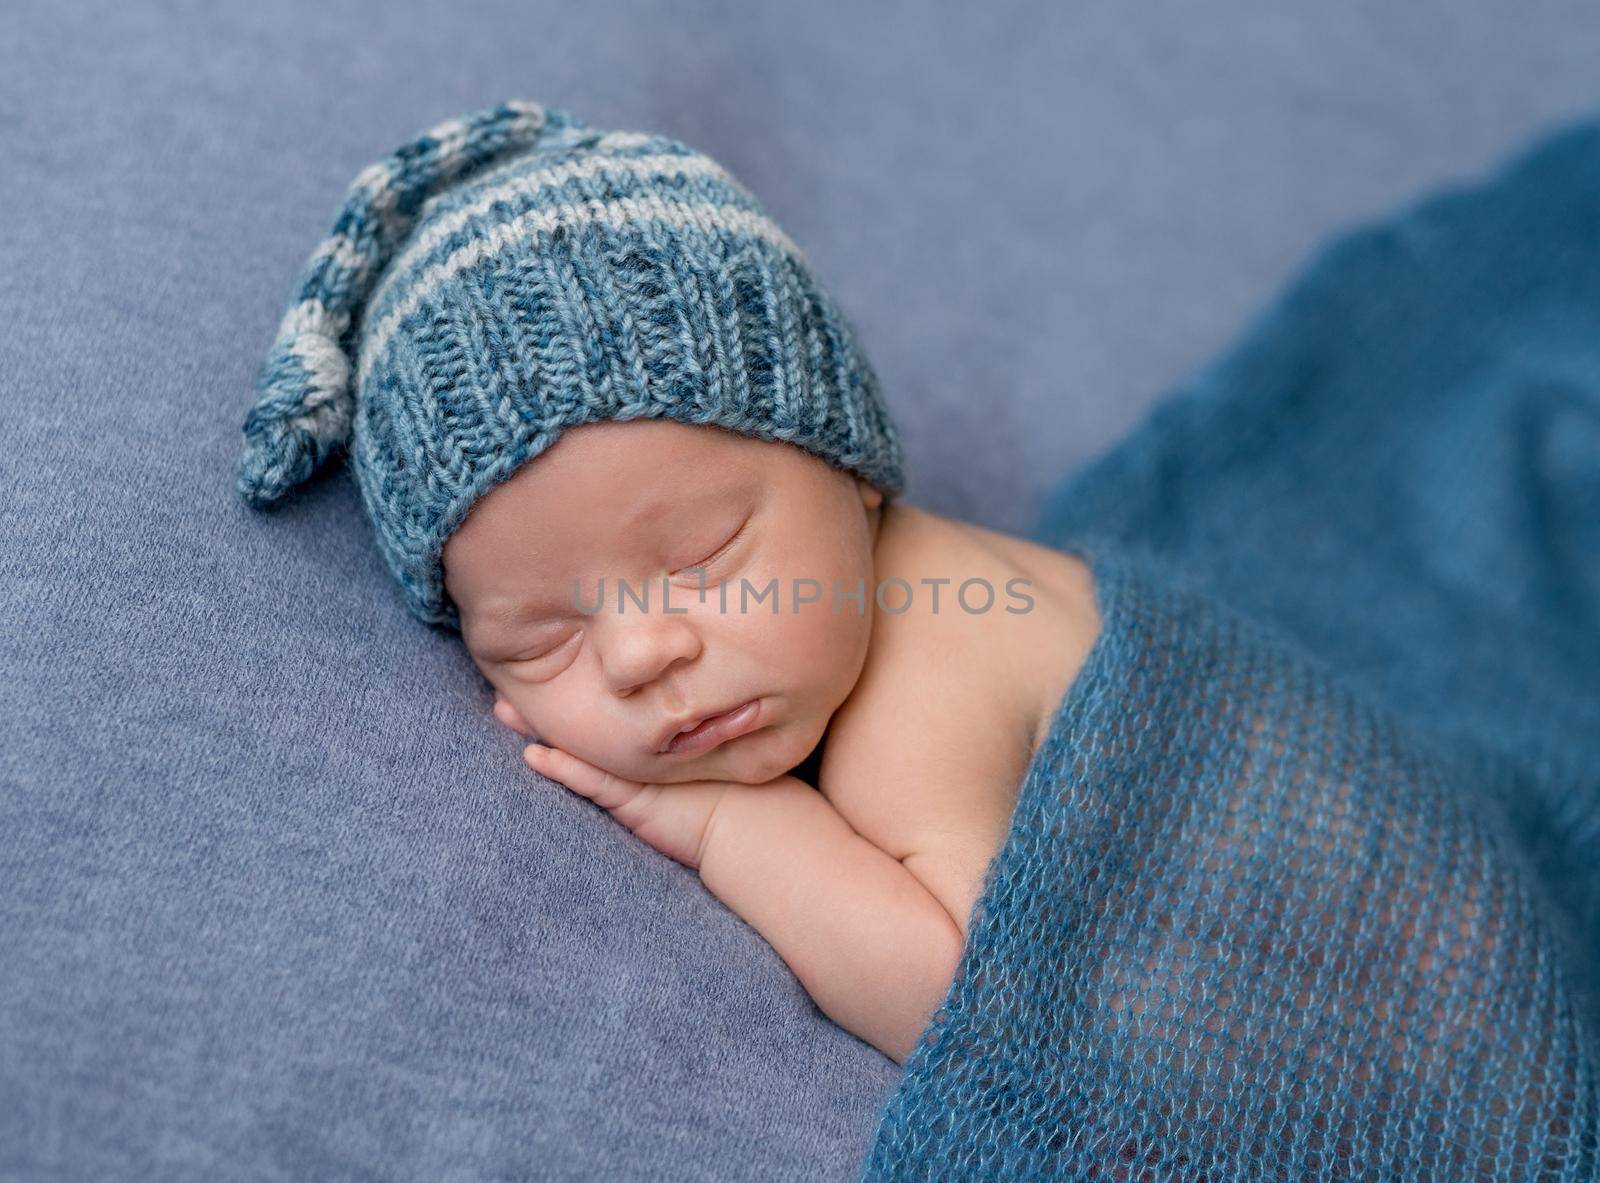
(532, 752)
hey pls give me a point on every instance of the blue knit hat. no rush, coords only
(512, 273)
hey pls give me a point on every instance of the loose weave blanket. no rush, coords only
(1304, 883)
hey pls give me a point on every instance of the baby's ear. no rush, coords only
(870, 496)
(510, 716)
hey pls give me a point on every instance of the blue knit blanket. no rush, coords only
(1305, 882)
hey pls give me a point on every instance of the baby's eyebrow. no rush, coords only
(531, 608)
(518, 613)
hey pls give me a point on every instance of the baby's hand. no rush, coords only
(673, 818)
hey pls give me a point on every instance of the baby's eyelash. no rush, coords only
(720, 551)
(540, 656)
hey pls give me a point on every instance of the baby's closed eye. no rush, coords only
(722, 550)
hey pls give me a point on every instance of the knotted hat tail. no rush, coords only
(305, 401)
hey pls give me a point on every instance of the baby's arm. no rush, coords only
(871, 945)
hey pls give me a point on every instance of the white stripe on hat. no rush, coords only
(377, 179)
(341, 248)
(328, 367)
(622, 211)
(611, 141)
(312, 316)
(531, 182)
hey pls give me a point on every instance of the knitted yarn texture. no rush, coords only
(1304, 883)
(1246, 926)
(512, 273)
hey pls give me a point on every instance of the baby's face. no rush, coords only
(637, 502)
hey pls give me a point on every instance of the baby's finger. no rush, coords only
(674, 819)
(605, 789)
(506, 714)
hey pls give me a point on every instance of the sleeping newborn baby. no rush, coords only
(687, 719)
(1248, 921)
(609, 427)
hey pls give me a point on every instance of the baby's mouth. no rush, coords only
(715, 729)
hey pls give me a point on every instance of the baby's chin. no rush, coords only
(750, 768)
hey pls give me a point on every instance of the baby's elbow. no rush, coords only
(950, 949)
(938, 974)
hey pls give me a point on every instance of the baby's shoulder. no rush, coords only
(919, 763)
(918, 747)
(926, 756)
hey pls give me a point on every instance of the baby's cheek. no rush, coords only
(570, 719)
(827, 651)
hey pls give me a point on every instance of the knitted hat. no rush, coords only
(512, 273)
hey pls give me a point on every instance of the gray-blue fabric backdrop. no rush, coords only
(278, 899)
